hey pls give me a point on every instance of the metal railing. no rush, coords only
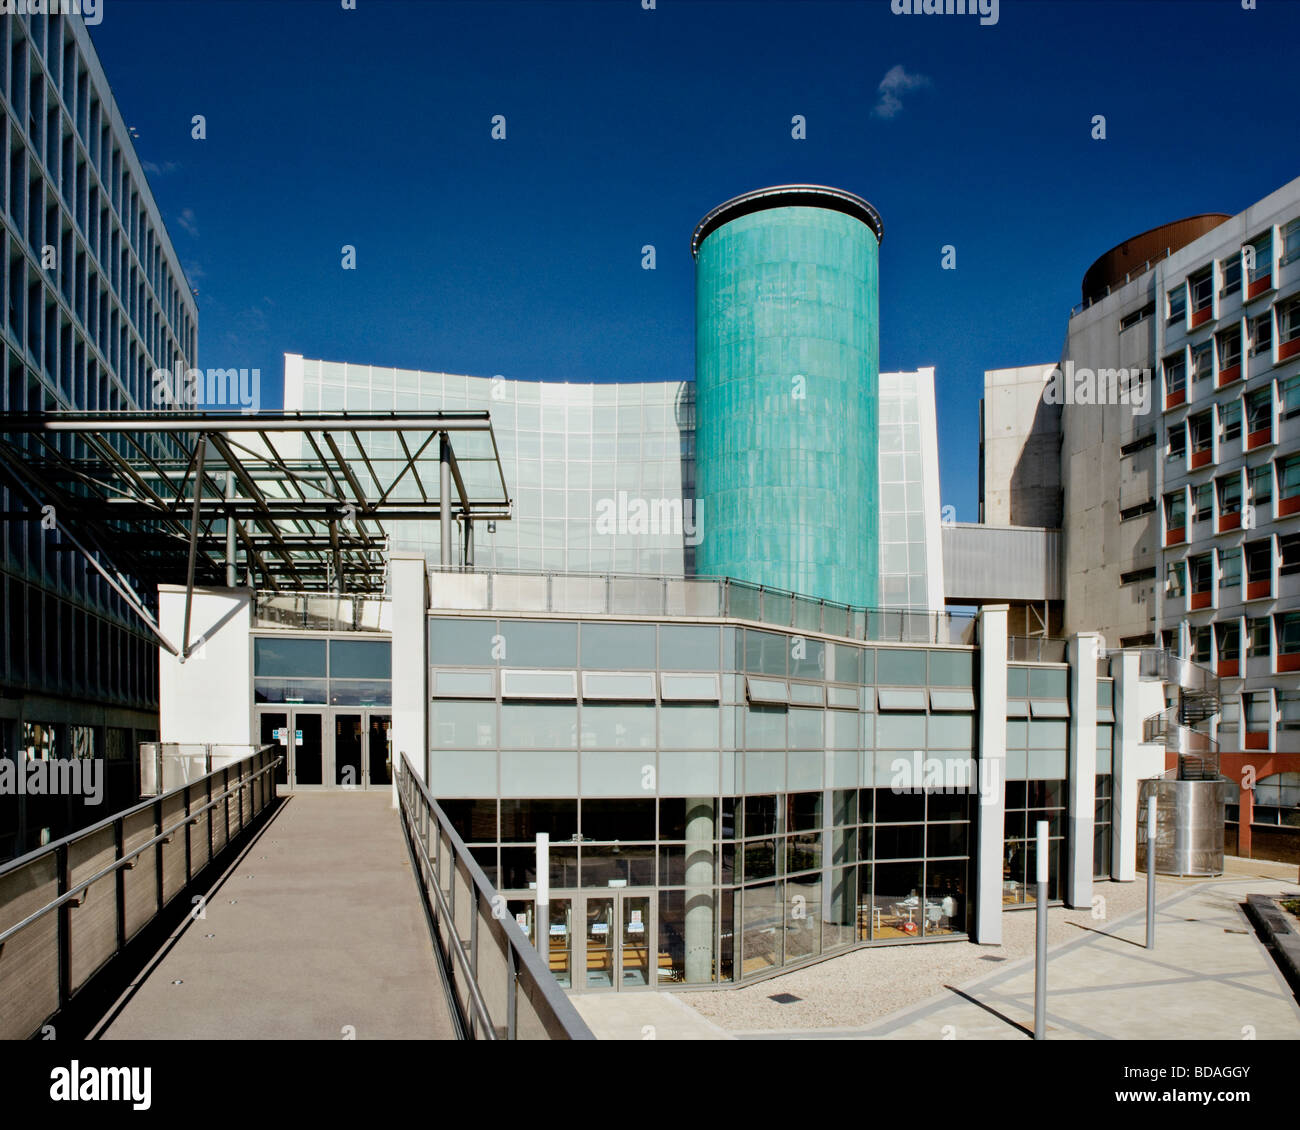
(611, 594)
(169, 765)
(69, 908)
(1036, 649)
(498, 983)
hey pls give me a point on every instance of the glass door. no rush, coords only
(634, 954)
(309, 751)
(560, 942)
(273, 729)
(618, 936)
(348, 769)
(380, 751)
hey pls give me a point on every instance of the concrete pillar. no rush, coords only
(991, 822)
(1245, 814)
(699, 890)
(410, 663)
(1081, 795)
(1134, 760)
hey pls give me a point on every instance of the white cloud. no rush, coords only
(896, 83)
(187, 221)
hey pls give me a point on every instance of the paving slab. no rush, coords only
(317, 933)
(644, 1016)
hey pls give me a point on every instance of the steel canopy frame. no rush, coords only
(166, 496)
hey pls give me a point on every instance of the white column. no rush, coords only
(698, 926)
(410, 663)
(1081, 789)
(1134, 760)
(991, 822)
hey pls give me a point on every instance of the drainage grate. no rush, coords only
(784, 998)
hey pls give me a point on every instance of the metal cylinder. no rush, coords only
(787, 384)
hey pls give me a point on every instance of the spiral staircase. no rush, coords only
(1189, 796)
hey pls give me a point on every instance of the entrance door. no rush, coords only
(298, 738)
(618, 932)
(349, 765)
(379, 771)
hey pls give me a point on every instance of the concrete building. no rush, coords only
(1179, 477)
(94, 301)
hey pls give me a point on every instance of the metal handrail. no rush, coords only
(857, 622)
(522, 958)
(161, 838)
(245, 773)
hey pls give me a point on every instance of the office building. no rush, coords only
(94, 301)
(1179, 500)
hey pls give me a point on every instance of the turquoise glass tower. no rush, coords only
(787, 368)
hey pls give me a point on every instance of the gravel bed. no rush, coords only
(863, 986)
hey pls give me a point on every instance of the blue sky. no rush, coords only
(371, 127)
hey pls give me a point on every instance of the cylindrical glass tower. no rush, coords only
(787, 367)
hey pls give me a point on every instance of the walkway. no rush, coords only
(315, 933)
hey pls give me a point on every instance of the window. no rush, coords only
(1230, 268)
(1177, 443)
(1177, 303)
(1202, 571)
(1202, 431)
(1202, 644)
(1176, 579)
(1258, 711)
(1259, 411)
(1288, 549)
(1202, 361)
(1230, 493)
(1228, 640)
(1230, 421)
(1260, 256)
(1261, 485)
(1259, 330)
(1229, 344)
(1288, 633)
(1230, 568)
(1175, 510)
(1147, 574)
(1288, 320)
(1140, 443)
(1291, 242)
(1201, 286)
(1203, 502)
(1175, 366)
(1259, 637)
(1277, 797)
(1130, 320)
(1137, 511)
(1259, 561)
(1288, 476)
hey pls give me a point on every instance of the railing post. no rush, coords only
(158, 851)
(512, 993)
(189, 862)
(119, 882)
(64, 926)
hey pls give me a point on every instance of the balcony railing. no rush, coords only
(599, 594)
(71, 907)
(315, 612)
(1035, 649)
(498, 982)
